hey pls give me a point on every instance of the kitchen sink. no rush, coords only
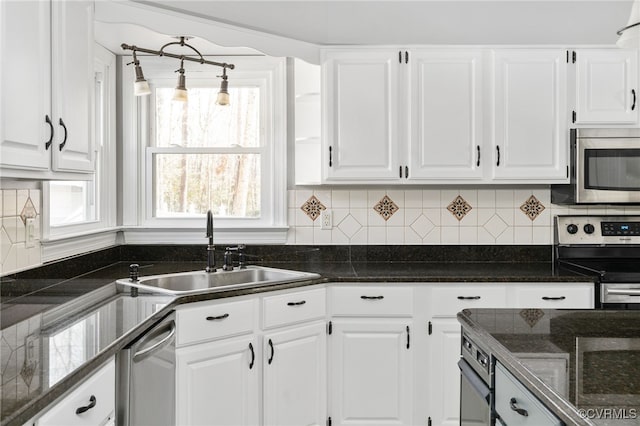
(183, 283)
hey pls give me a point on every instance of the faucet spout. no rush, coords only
(211, 258)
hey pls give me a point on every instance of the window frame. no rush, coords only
(64, 240)
(139, 224)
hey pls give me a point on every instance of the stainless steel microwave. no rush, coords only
(605, 168)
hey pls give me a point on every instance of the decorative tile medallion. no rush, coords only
(28, 212)
(313, 207)
(459, 207)
(532, 208)
(531, 316)
(27, 371)
(386, 207)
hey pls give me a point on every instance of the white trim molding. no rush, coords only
(78, 244)
(262, 235)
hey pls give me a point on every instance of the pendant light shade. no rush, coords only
(223, 94)
(180, 93)
(141, 86)
(630, 35)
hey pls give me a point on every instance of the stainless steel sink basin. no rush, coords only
(200, 281)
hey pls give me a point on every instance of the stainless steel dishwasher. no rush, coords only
(145, 392)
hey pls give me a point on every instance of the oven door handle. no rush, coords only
(623, 291)
(474, 380)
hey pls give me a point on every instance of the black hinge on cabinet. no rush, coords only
(429, 421)
(574, 57)
(330, 328)
(573, 116)
(330, 156)
(328, 421)
(430, 327)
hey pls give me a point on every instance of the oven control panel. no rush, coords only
(597, 230)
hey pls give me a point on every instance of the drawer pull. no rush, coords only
(302, 302)
(468, 297)
(553, 298)
(92, 403)
(371, 297)
(521, 411)
(220, 317)
(253, 356)
(272, 352)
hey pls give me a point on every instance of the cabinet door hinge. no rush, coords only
(430, 327)
(574, 57)
(329, 328)
(328, 421)
(429, 421)
(573, 116)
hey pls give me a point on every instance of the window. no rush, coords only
(201, 156)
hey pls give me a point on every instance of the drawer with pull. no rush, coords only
(448, 300)
(294, 307)
(372, 301)
(553, 295)
(204, 321)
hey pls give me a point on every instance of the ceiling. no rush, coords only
(331, 22)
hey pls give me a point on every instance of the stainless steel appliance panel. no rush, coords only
(146, 378)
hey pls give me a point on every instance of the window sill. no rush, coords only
(244, 235)
(57, 248)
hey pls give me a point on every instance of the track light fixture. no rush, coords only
(141, 86)
(630, 35)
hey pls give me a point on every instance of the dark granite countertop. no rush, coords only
(601, 383)
(39, 305)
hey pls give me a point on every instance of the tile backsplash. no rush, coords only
(16, 206)
(431, 216)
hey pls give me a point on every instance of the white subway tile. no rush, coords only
(431, 198)
(542, 235)
(358, 199)
(36, 199)
(544, 219)
(410, 236)
(395, 235)
(338, 215)
(304, 235)
(302, 219)
(447, 196)
(486, 198)
(324, 196)
(410, 215)
(374, 197)
(377, 235)
(374, 218)
(506, 215)
(468, 235)
(291, 216)
(5, 244)
(291, 198)
(322, 236)
(450, 235)
(523, 235)
(504, 198)
(413, 199)
(291, 235)
(22, 195)
(484, 215)
(433, 237)
(360, 215)
(338, 237)
(397, 196)
(10, 225)
(470, 219)
(434, 215)
(447, 218)
(397, 219)
(470, 196)
(302, 195)
(484, 237)
(360, 237)
(10, 260)
(506, 237)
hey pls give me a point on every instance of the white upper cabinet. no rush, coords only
(530, 115)
(47, 86)
(606, 86)
(445, 89)
(360, 109)
(72, 72)
(26, 85)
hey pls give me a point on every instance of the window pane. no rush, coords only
(226, 184)
(71, 202)
(201, 123)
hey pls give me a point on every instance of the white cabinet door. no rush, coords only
(25, 84)
(445, 376)
(371, 372)
(360, 107)
(530, 115)
(446, 120)
(72, 58)
(607, 86)
(217, 383)
(295, 376)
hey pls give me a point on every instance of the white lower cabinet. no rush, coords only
(371, 372)
(92, 403)
(295, 376)
(217, 383)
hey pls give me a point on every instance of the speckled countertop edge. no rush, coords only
(566, 411)
(32, 408)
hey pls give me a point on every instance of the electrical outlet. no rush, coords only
(326, 217)
(30, 233)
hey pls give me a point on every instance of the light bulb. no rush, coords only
(223, 98)
(141, 86)
(180, 94)
(223, 94)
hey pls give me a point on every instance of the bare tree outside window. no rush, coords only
(215, 163)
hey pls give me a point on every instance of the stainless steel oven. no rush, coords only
(606, 248)
(475, 384)
(605, 168)
(598, 365)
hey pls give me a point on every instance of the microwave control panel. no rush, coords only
(597, 230)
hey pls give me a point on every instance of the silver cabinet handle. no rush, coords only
(624, 291)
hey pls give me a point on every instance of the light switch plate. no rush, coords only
(30, 233)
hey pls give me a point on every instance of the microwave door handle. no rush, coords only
(624, 291)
